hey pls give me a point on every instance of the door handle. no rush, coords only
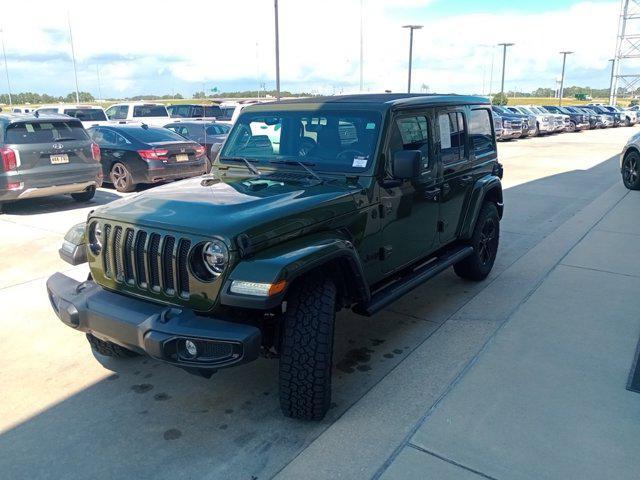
(432, 194)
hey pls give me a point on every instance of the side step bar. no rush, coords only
(394, 291)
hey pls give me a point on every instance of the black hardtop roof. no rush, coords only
(7, 118)
(378, 101)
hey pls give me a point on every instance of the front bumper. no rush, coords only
(509, 133)
(148, 328)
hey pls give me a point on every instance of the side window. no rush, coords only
(111, 111)
(410, 133)
(120, 140)
(108, 137)
(198, 111)
(453, 136)
(47, 110)
(480, 132)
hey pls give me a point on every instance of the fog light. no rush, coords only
(191, 348)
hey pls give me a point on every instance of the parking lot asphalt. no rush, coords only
(67, 414)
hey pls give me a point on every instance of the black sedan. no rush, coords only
(137, 153)
(210, 135)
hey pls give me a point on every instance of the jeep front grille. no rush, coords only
(147, 261)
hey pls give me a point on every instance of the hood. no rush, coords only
(261, 208)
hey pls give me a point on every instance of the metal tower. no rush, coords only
(627, 48)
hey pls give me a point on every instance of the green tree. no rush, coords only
(85, 97)
(500, 99)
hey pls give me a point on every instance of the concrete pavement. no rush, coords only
(68, 414)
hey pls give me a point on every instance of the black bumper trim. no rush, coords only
(146, 327)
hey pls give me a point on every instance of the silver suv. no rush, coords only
(47, 155)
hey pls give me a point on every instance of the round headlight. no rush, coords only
(95, 238)
(215, 257)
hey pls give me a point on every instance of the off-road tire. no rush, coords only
(120, 177)
(485, 240)
(85, 196)
(307, 347)
(109, 349)
(631, 170)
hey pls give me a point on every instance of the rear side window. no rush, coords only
(453, 136)
(480, 132)
(118, 112)
(213, 111)
(149, 111)
(44, 132)
(86, 114)
(47, 110)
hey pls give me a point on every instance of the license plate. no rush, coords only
(183, 157)
(56, 159)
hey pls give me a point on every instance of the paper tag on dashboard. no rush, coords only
(360, 162)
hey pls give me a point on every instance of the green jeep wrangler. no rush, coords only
(314, 205)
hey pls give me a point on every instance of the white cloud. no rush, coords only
(232, 41)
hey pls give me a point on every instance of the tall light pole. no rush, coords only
(275, 5)
(613, 69)
(73, 58)
(99, 86)
(361, 49)
(411, 29)
(564, 61)
(504, 62)
(6, 68)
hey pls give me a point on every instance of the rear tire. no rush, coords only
(121, 178)
(85, 196)
(109, 349)
(631, 170)
(485, 241)
(307, 348)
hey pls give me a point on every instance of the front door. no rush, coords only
(409, 209)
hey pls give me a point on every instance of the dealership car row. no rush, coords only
(522, 121)
(73, 149)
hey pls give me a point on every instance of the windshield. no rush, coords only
(340, 141)
(152, 135)
(226, 113)
(502, 110)
(86, 114)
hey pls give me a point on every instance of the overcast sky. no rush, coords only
(164, 47)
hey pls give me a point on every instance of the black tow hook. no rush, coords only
(169, 313)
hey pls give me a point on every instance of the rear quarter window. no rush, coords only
(480, 132)
(44, 132)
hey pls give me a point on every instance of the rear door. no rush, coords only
(457, 169)
(52, 152)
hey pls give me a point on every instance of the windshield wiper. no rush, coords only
(301, 164)
(250, 167)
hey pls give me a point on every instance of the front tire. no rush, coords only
(307, 348)
(121, 178)
(485, 241)
(572, 127)
(109, 349)
(85, 196)
(631, 170)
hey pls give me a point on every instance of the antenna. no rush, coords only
(627, 48)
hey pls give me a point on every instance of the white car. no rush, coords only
(231, 110)
(544, 120)
(89, 115)
(153, 114)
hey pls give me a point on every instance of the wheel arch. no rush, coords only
(289, 262)
(488, 188)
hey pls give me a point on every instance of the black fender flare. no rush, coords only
(290, 261)
(488, 187)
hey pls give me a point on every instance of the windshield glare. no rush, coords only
(324, 140)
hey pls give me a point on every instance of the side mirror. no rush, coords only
(406, 164)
